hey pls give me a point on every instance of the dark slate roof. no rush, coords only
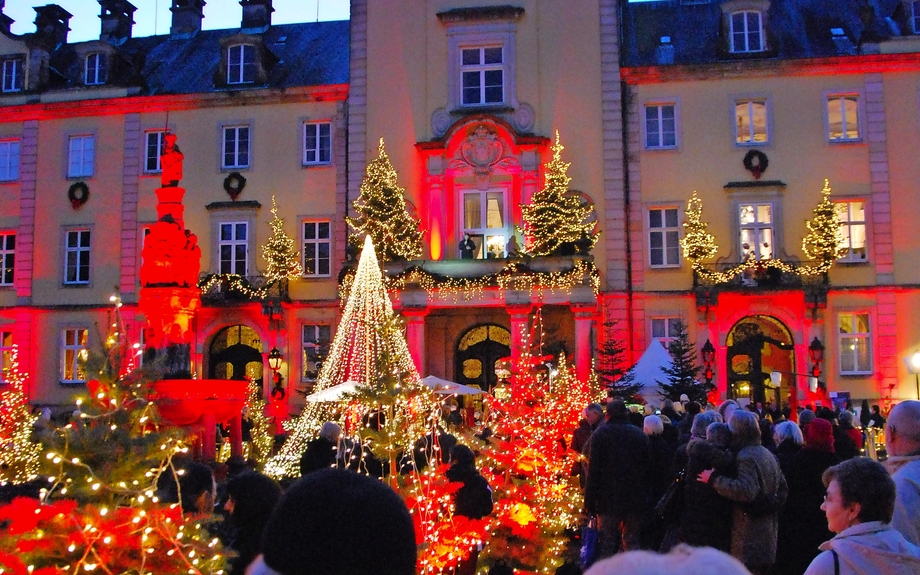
(307, 54)
(795, 29)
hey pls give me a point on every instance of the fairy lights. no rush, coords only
(280, 252)
(19, 458)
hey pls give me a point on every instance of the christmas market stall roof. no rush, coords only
(650, 369)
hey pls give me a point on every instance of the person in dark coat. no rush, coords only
(692, 409)
(844, 446)
(789, 440)
(321, 452)
(659, 479)
(667, 409)
(619, 463)
(251, 499)
(706, 519)
(592, 418)
(473, 500)
(802, 525)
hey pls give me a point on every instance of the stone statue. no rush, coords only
(171, 162)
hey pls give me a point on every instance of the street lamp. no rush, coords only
(709, 357)
(274, 359)
(816, 352)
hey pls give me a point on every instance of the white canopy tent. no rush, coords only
(650, 369)
(445, 387)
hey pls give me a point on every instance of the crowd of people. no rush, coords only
(781, 497)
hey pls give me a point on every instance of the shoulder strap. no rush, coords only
(836, 562)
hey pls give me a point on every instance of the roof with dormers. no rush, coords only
(794, 29)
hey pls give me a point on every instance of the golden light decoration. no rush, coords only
(261, 433)
(19, 458)
(234, 282)
(280, 252)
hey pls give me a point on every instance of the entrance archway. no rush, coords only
(758, 345)
(235, 353)
(477, 352)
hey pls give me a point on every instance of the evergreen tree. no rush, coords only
(615, 377)
(261, 432)
(558, 221)
(683, 370)
(383, 215)
(280, 252)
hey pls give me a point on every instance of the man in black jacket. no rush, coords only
(619, 462)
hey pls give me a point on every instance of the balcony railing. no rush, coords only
(222, 289)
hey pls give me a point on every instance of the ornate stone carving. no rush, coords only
(523, 118)
(441, 121)
(481, 150)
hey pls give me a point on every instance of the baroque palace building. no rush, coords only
(749, 105)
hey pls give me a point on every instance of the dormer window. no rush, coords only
(12, 75)
(746, 31)
(241, 64)
(482, 75)
(95, 69)
(915, 17)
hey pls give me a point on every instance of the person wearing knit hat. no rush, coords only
(802, 525)
(338, 522)
(806, 416)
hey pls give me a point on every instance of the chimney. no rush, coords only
(51, 25)
(6, 23)
(117, 18)
(186, 16)
(664, 54)
(256, 14)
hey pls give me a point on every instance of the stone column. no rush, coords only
(208, 436)
(584, 318)
(520, 318)
(236, 435)
(415, 335)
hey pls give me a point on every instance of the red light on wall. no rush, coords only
(437, 243)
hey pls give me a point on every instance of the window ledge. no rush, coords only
(482, 109)
(754, 185)
(242, 205)
(69, 383)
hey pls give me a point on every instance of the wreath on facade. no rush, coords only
(756, 162)
(78, 193)
(234, 184)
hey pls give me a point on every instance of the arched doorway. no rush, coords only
(477, 351)
(758, 345)
(235, 353)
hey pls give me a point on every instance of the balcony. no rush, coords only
(758, 278)
(228, 289)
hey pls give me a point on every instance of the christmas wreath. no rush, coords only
(756, 162)
(234, 184)
(78, 194)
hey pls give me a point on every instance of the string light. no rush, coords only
(233, 283)
(280, 252)
(19, 458)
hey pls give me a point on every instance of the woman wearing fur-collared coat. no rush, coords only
(758, 481)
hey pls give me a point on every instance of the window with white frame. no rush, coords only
(9, 160)
(317, 143)
(233, 245)
(915, 17)
(665, 329)
(6, 355)
(852, 217)
(94, 69)
(660, 126)
(241, 64)
(747, 31)
(663, 237)
(751, 121)
(756, 222)
(12, 75)
(843, 118)
(73, 353)
(7, 258)
(484, 220)
(855, 341)
(153, 147)
(76, 257)
(482, 75)
(317, 248)
(316, 339)
(81, 156)
(236, 147)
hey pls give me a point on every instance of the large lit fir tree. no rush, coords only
(558, 221)
(261, 432)
(683, 370)
(697, 243)
(612, 369)
(823, 242)
(280, 252)
(19, 454)
(382, 213)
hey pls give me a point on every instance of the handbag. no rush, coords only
(589, 548)
(671, 503)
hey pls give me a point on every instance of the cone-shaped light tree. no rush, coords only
(280, 253)
(558, 221)
(383, 215)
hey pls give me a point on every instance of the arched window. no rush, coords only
(746, 31)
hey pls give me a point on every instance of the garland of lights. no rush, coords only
(234, 283)
(823, 243)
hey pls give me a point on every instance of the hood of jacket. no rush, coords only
(874, 548)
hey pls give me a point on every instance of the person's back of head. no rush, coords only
(719, 434)
(845, 419)
(254, 498)
(683, 560)
(745, 428)
(788, 430)
(727, 408)
(616, 411)
(826, 413)
(330, 432)
(903, 435)
(693, 407)
(701, 423)
(653, 425)
(337, 522)
(196, 488)
(806, 417)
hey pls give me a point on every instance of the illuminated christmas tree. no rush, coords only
(558, 221)
(823, 242)
(280, 253)
(19, 456)
(383, 215)
(697, 243)
(261, 431)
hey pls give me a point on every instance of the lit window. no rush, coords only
(855, 340)
(12, 75)
(317, 248)
(747, 31)
(76, 257)
(73, 354)
(482, 75)
(660, 126)
(7, 258)
(316, 340)
(663, 237)
(234, 248)
(6, 355)
(751, 122)
(843, 118)
(153, 147)
(484, 221)
(665, 329)
(852, 216)
(236, 147)
(82, 151)
(756, 231)
(9, 160)
(317, 143)
(241, 64)
(95, 72)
